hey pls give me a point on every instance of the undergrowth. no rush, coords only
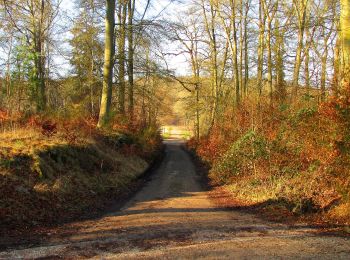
(295, 156)
(53, 169)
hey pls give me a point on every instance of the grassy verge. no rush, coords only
(49, 178)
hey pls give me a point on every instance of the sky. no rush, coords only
(168, 8)
(165, 7)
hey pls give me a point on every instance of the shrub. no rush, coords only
(241, 157)
(299, 152)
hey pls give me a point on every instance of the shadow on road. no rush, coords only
(171, 208)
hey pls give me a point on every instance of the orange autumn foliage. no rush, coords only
(298, 152)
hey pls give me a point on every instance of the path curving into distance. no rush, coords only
(172, 217)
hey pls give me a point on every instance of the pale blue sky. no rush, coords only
(178, 63)
(61, 54)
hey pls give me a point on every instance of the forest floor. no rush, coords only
(175, 216)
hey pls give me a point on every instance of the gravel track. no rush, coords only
(172, 217)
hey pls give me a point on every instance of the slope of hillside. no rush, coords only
(46, 179)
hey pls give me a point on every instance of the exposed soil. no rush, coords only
(174, 216)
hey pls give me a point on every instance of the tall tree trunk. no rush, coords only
(39, 74)
(297, 63)
(246, 59)
(235, 52)
(269, 59)
(121, 55)
(324, 63)
(336, 66)
(131, 9)
(309, 39)
(210, 29)
(193, 50)
(8, 74)
(300, 8)
(39, 59)
(345, 37)
(197, 112)
(262, 19)
(279, 51)
(231, 42)
(241, 40)
(270, 14)
(214, 77)
(91, 83)
(323, 73)
(324, 56)
(106, 97)
(307, 61)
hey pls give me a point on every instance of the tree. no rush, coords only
(326, 35)
(87, 55)
(270, 10)
(106, 97)
(230, 29)
(245, 35)
(309, 39)
(33, 21)
(130, 65)
(300, 8)
(210, 27)
(345, 36)
(261, 45)
(121, 38)
(188, 33)
(279, 63)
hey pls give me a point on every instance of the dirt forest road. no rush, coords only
(172, 217)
